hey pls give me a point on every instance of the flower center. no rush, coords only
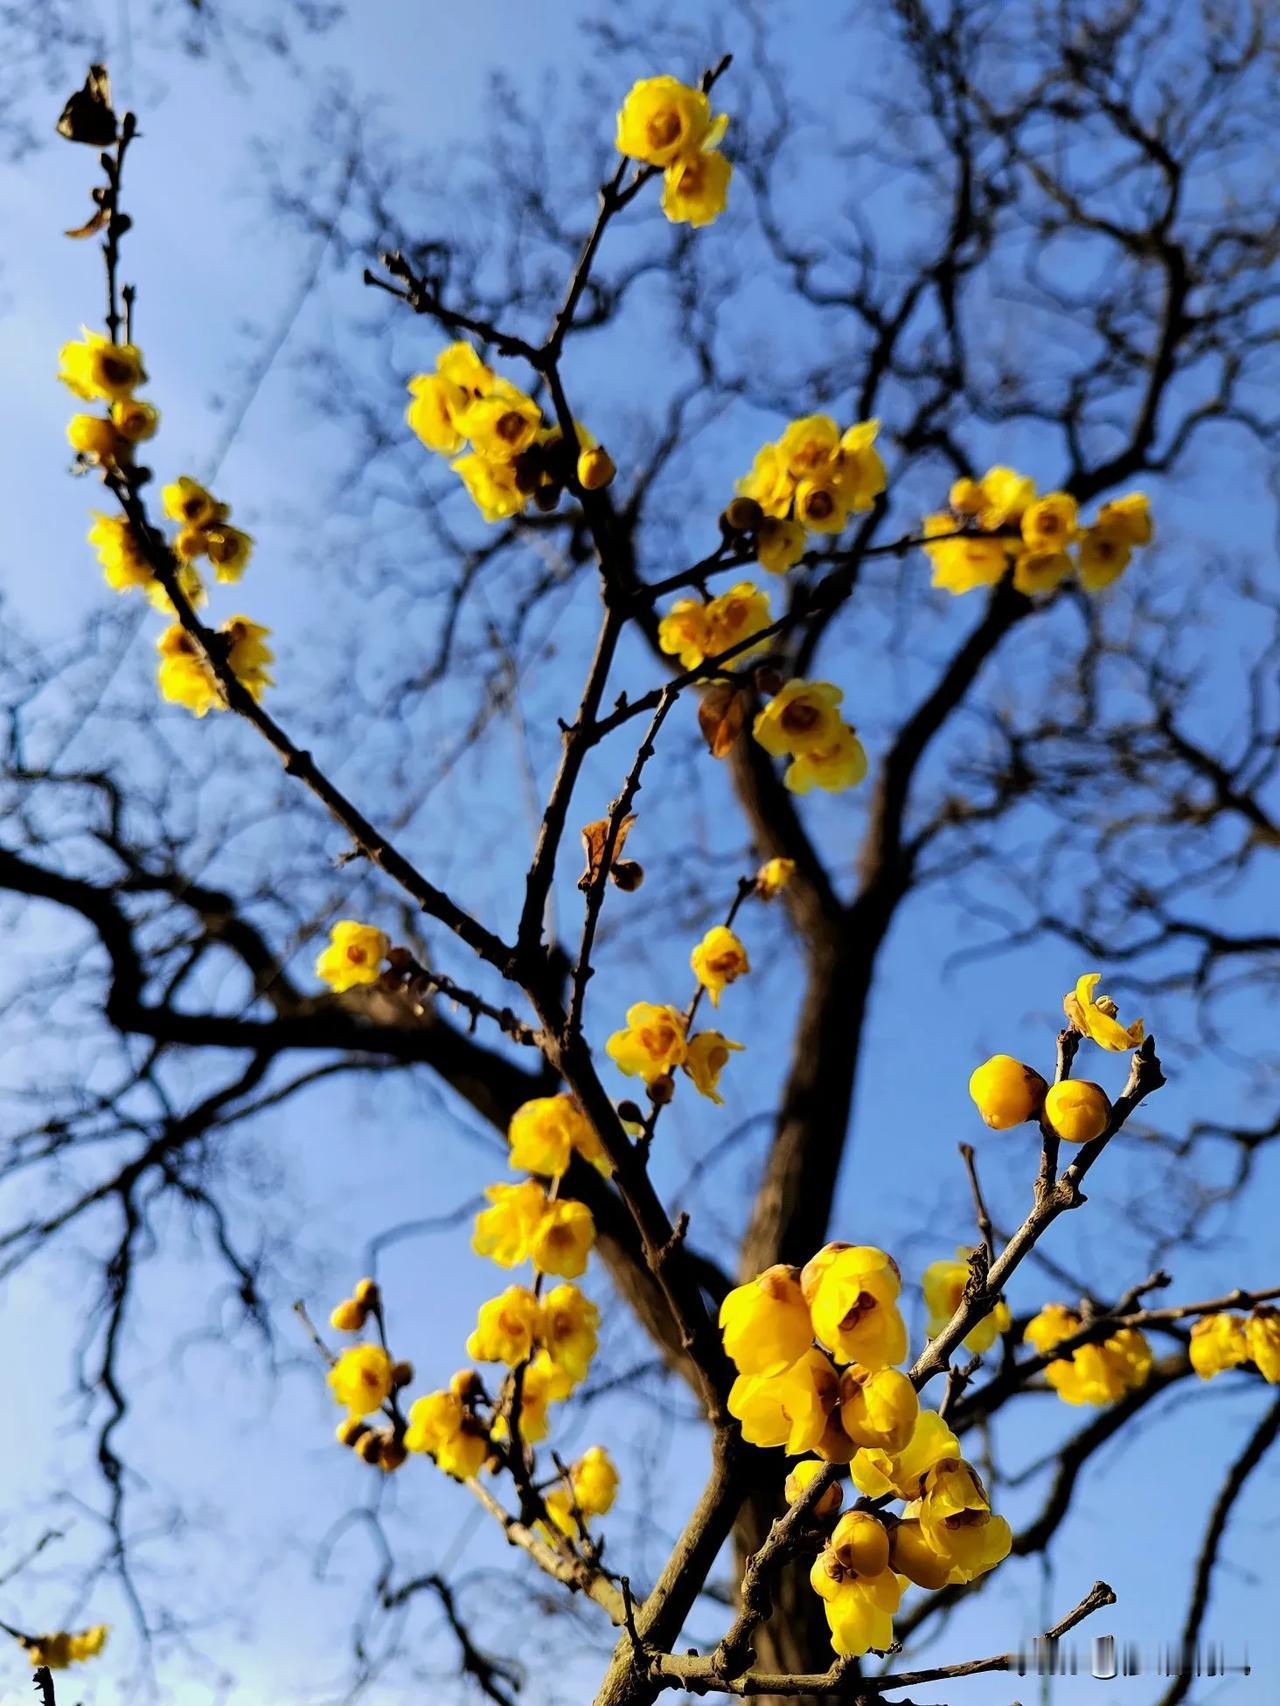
(357, 956)
(820, 505)
(664, 128)
(799, 718)
(862, 1306)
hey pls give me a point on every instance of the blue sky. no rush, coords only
(241, 1437)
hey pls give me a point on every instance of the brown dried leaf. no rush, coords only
(92, 225)
(594, 837)
(87, 116)
(722, 711)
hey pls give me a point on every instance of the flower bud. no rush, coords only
(546, 498)
(366, 1292)
(351, 1430)
(742, 515)
(1006, 1092)
(595, 468)
(369, 1445)
(628, 875)
(630, 1113)
(348, 1316)
(798, 1480)
(662, 1090)
(861, 1544)
(1076, 1110)
(391, 1454)
(401, 1374)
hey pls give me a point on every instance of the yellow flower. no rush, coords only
(911, 1555)
(1006, 1092)
(248, 655)
(719, 960)
(1102, 558)
(695, 190)
(349, 1316)
(492, 486)
(504, 1231)
(1095, 1016)
(461, 366)
(1218, 1342)
(1077, 1110)
(544, 1384)
(505, 1328)
(354, 955)
(809, 447)
(798, 1481)
(63, 1648)
(966, 561)
(1095, 1374)
(229, 550)
(901, 1473)
(360, 1379)
(773, 876)
(187, 502)
(735, 616)
(1263, 1333)
(832, 768)
(801, 717)
(184, 678)
(705, 1058)
(442, 1425)
(957, 1521)
(502, 424)
(859, 471)
(770, 483)
(435, 410)
(965, 497)
(96, 438)
(1128, 518)
(652, 1044)
(544, 1134)
(943, 1283)
(684, 632)
(593, 1486)
(1035, 572)
(123, 564)
(1005, 495)
(568, 1324)
(852, 1297)
(791, 1409)
(765, 1323)
(98, 368)
(1050, 522)
(818, 506)
(878, 1408)
(859, 1591)
(135, 420)
(779, 544)
(662, 120)
(562, 1239)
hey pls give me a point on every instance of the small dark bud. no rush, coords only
(742, 515)
(662, 1090)
(768, 680)
(630, 1114)
(546, 498)
(628, 875)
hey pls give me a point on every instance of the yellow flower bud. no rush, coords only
(1076, 1110)
(878, 1408)
(348, 1316)
(1006, 1091)
(798, 1481)
(595, 468)
(765, 1323)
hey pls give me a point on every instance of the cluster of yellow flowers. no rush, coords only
(1093, 1374)
(513, 456)
(64, 1648)
(693, 629)
(1007, 1093)
(999, 521)
(97, 369)
(1225, 1341)
(666, 124)
(802, 723)
(844, 1399)
(810, 481)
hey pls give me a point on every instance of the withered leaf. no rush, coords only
(594, 837)
(722, 711)
(87, 116)
(92, 225)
